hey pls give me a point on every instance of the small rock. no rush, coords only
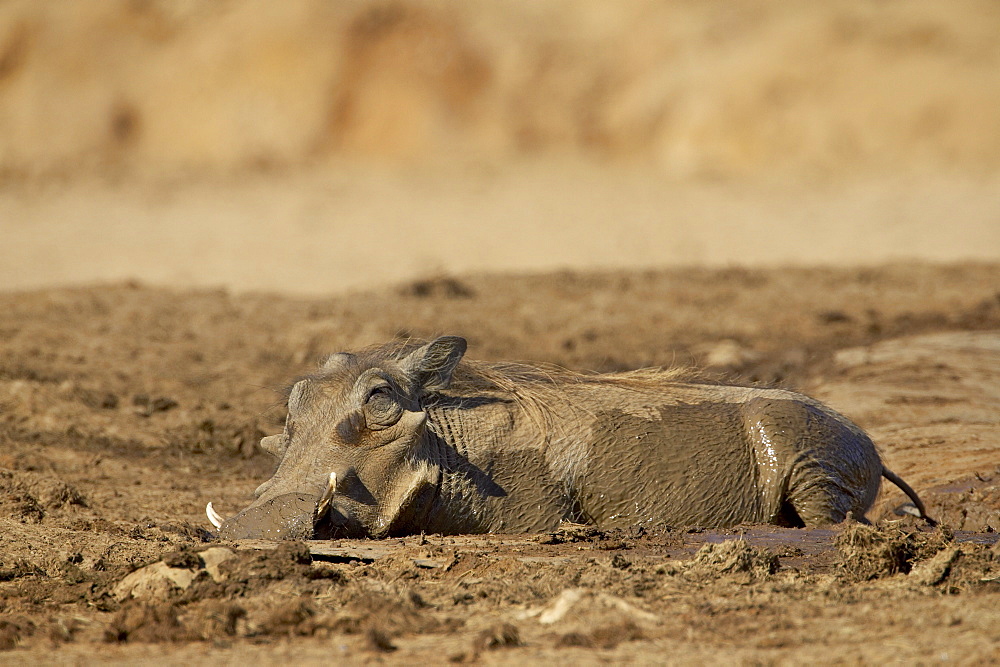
(577, 603)
(214, 557)
(154, 581)
(158, 580)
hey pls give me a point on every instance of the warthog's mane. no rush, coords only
(538, 388)
(510, 376)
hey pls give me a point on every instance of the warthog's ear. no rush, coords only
(431, 366)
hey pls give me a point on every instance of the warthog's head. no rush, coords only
(351, 455)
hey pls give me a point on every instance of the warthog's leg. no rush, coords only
(818, 498)
(817, 466)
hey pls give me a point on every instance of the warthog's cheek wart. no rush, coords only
(285, 517)
(275, 445)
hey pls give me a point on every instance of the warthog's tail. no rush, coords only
(908, 490)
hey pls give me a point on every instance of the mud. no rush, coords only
(124, 409)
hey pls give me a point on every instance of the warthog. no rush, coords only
(407, 437)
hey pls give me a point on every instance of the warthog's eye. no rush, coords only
(382, 410)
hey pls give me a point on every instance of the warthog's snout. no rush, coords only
(287, 516)
(291, 516)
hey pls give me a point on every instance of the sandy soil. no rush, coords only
(318, 232)
(126, 408)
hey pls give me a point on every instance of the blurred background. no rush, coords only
(310, 146)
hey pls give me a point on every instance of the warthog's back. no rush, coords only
(691, 464)
(712, 455)
(681, 454)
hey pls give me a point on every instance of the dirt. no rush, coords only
(126, 408)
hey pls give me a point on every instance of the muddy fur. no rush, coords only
(409, 437)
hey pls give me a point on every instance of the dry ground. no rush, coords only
(124, 409)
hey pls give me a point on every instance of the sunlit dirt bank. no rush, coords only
(310, 147)
(687, 88)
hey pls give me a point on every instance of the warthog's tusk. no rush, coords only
(324, 501)
(214, 516)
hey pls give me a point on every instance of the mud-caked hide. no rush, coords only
(404, 439)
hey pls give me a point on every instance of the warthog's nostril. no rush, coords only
(214, 516)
